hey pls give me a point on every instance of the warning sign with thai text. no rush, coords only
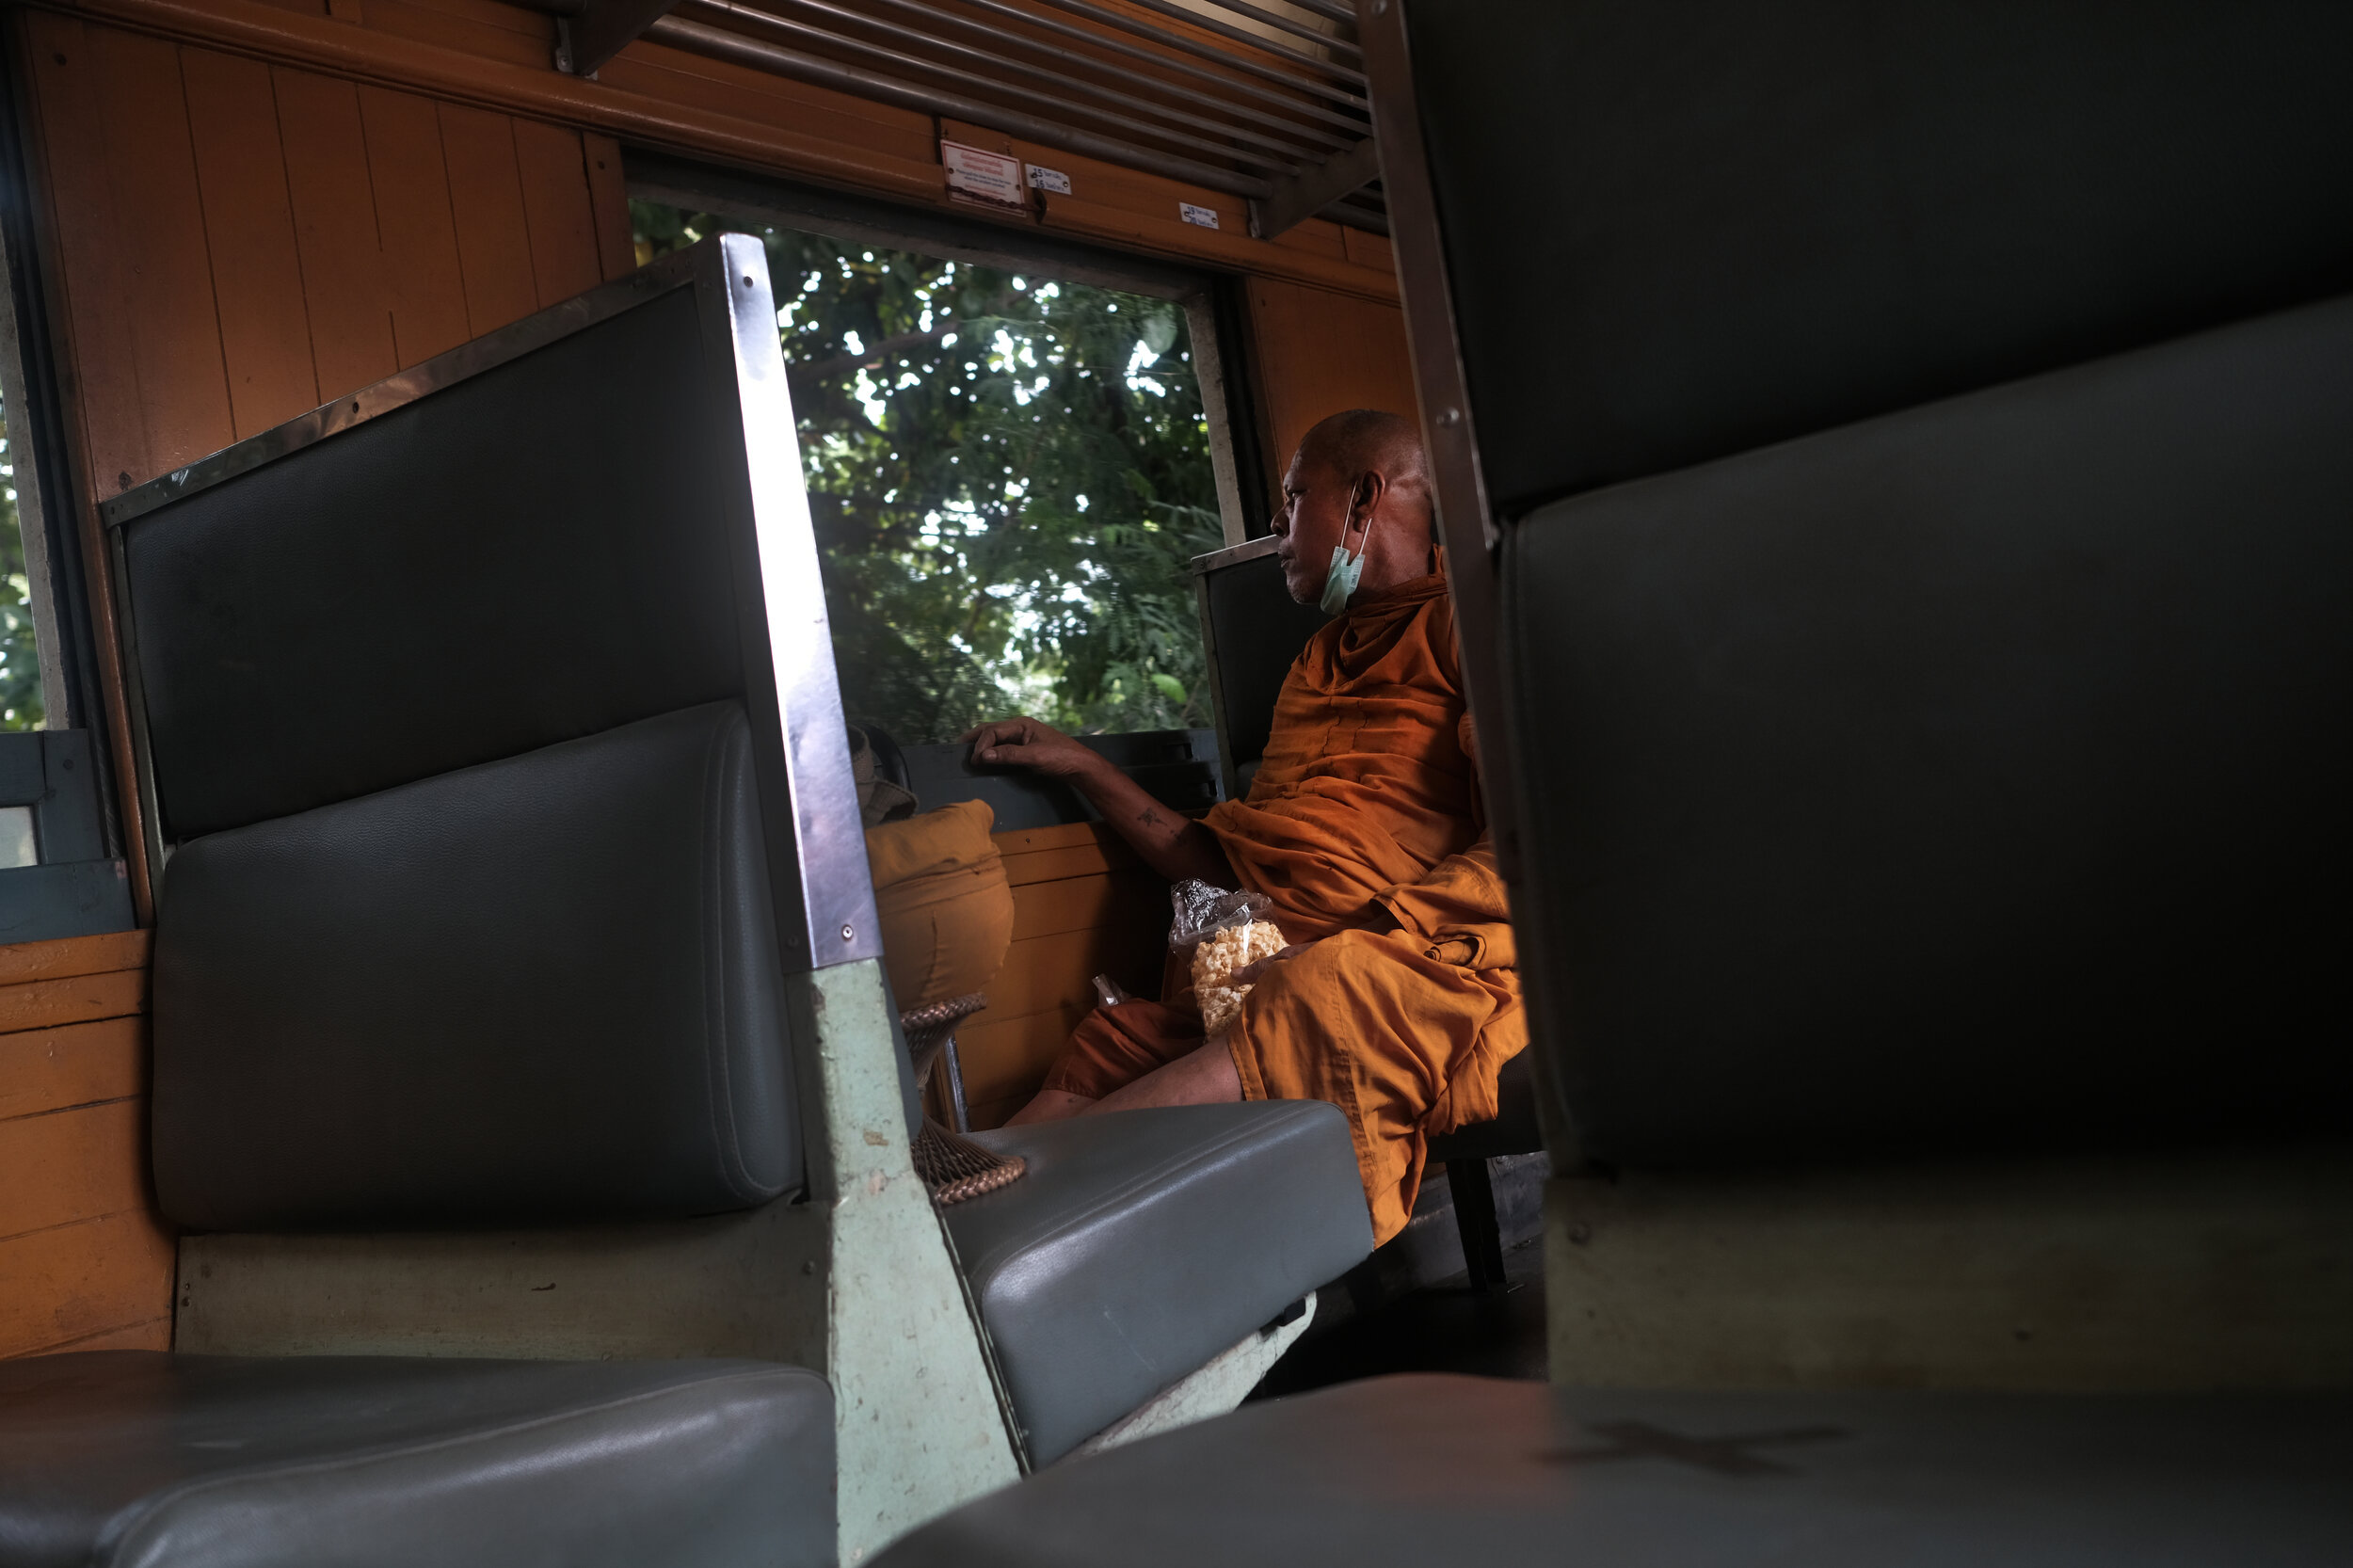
(974, 175)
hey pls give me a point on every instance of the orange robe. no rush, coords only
(1367, 800)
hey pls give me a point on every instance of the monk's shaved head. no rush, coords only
(1367, 438)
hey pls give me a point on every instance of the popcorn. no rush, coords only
(1219, 955)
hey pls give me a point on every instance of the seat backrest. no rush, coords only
(1252, 630)
(490, 722)
(1924, 579)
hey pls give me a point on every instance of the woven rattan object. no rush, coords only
(952, 1166)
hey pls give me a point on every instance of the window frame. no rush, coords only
(1211, 299)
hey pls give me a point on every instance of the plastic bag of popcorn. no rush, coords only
(1226, 931)
(1214, 961)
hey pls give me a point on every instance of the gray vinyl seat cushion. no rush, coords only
(536, 990)
(117, 1458)
(1143, 1243)
(1425, 1469)
(1900, 782)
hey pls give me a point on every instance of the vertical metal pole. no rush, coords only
(1466, 523)
(956, 1087)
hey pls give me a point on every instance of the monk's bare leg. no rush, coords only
(1052, 1105)
(1202, 1076)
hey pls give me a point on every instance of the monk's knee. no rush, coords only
(1313, 974)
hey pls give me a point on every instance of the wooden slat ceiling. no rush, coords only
(1260, 98)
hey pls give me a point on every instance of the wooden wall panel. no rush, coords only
(486, 191)
(426, 284)
(184, 388)
(47, 1069)
(1082, 907)
(115, 1271)
(556, 209)
(85, 1259)
(608, 196)
(499, 32)
(234, 243)
(344, 276)
(249, 229)
(1319, 353)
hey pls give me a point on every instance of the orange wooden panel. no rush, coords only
(887, 136)
(343, 261)
(434, 26)
(1059, 970)
(116, 950)
(93, 273)
(1023, 841)
(1082, 903)
(994, 1112)
(183, 387)
(1008, 1058)
(563, 224)
(104, 1283)
(1046, 865)
(608, 199)
(490, 13)
(249, 227)
(1370, 250)
(485, 193)
(73, 1165)
(1319, 353)
(153, 1335)
(412, 216)
(77, 999)
(49, 1069)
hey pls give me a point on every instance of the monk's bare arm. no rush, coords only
(1171, 844)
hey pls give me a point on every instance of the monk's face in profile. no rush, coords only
(1357, 479)
(1316, 496)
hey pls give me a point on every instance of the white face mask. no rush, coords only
(1340, 582)
(1347, 570)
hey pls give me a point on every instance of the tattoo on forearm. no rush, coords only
(1151, 818)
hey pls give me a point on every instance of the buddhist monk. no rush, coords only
(1396, 999)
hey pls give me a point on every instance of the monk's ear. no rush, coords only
(1364, 499)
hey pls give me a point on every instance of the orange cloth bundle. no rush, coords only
(946, 909)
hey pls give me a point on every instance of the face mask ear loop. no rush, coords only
(1341, 577)
(1347, 521)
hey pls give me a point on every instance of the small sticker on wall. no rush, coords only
(1052, 180)
(974, 175)
(1200, 218)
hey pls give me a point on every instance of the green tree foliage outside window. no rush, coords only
(20, 665)
(1008, 477)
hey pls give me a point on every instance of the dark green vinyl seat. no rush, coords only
(112, 1458)
(1919, 442)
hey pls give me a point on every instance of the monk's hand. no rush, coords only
(1027, 744)
(1248, 974)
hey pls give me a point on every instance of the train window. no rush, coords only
(1009, 472)
(22, 706)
